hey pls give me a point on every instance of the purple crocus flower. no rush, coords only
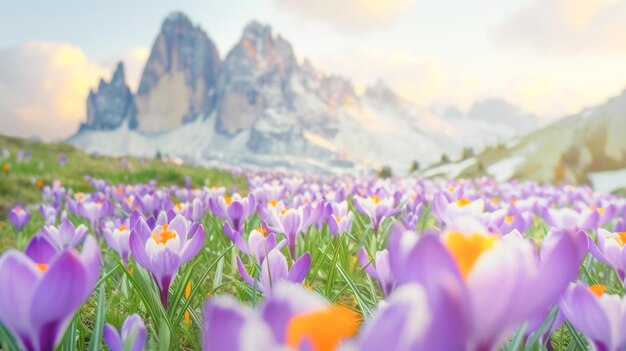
(274, 269)
(260, 243)
(163, 250)
(475, 281)
(38, 300)
(378, 269)
(48, 213)
(402, 324)
(62, 160)
(66, 235)
(132, 337)
(610, 250)
(376, 209)
(340, 220)
(118, 239)
(94, 210)
(292, 318)
(290, 221)
(571, 220)
(19, 217)
(235, 210)
(601, 317)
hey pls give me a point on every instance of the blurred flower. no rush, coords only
(19, 217)
(601, 317)
(274, 269)
(38, 300)
(132, 337)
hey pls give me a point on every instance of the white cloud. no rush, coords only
(351, 15)
(415, 78)
(43, 89)
(44, 86)
(567, 26)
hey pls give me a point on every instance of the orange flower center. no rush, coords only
(164, 236)
(179, 206)
(597, 289)
(272, 202)
(262, 231)
(621, 238)
(375, 198)
(123, 228)
(463, 202)
(42, 267)
(323, 330)
(228, 199)
(466, 249)
(120, 191)
(509, 219)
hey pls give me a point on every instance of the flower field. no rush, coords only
(310, 263)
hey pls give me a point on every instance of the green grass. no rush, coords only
(19, 186)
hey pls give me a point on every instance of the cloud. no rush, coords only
(566, 26)
(415, 78)
(350, 15)
(44, 86)
(43, 89)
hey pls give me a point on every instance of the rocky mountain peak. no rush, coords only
(180, 78)
(111, 105)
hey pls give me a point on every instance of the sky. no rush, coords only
(549, 57)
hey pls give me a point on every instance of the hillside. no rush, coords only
(20, 184)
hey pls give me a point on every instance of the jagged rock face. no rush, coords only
(253, 78)
(111, 105)
(180, 78)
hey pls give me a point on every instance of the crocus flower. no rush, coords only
(274, 269)
(118, 239)
(260, 243)
(234, 209)
(163, 250)
(570, 220)
(290, 221)
(94, 210)
(378, 269)
(601, 317)
(132, 337)
(66, 235)
(19, 217)
(376, 209)
(292, 318)
(340, 220)
(475, 281)
(402, 324)
(38, 300)
(610, 250)
(48, 213)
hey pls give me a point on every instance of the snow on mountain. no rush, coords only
(260, 106)
(575, 149)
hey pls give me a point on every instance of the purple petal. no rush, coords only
(112, 338)
(300, 269)
(61, 291)
(40, 249)
(192, 246)
(244, 274)
(138, 250)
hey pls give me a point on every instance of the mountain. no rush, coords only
(260, 106)
(111, 105)
(581, 148)
(179, 81)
